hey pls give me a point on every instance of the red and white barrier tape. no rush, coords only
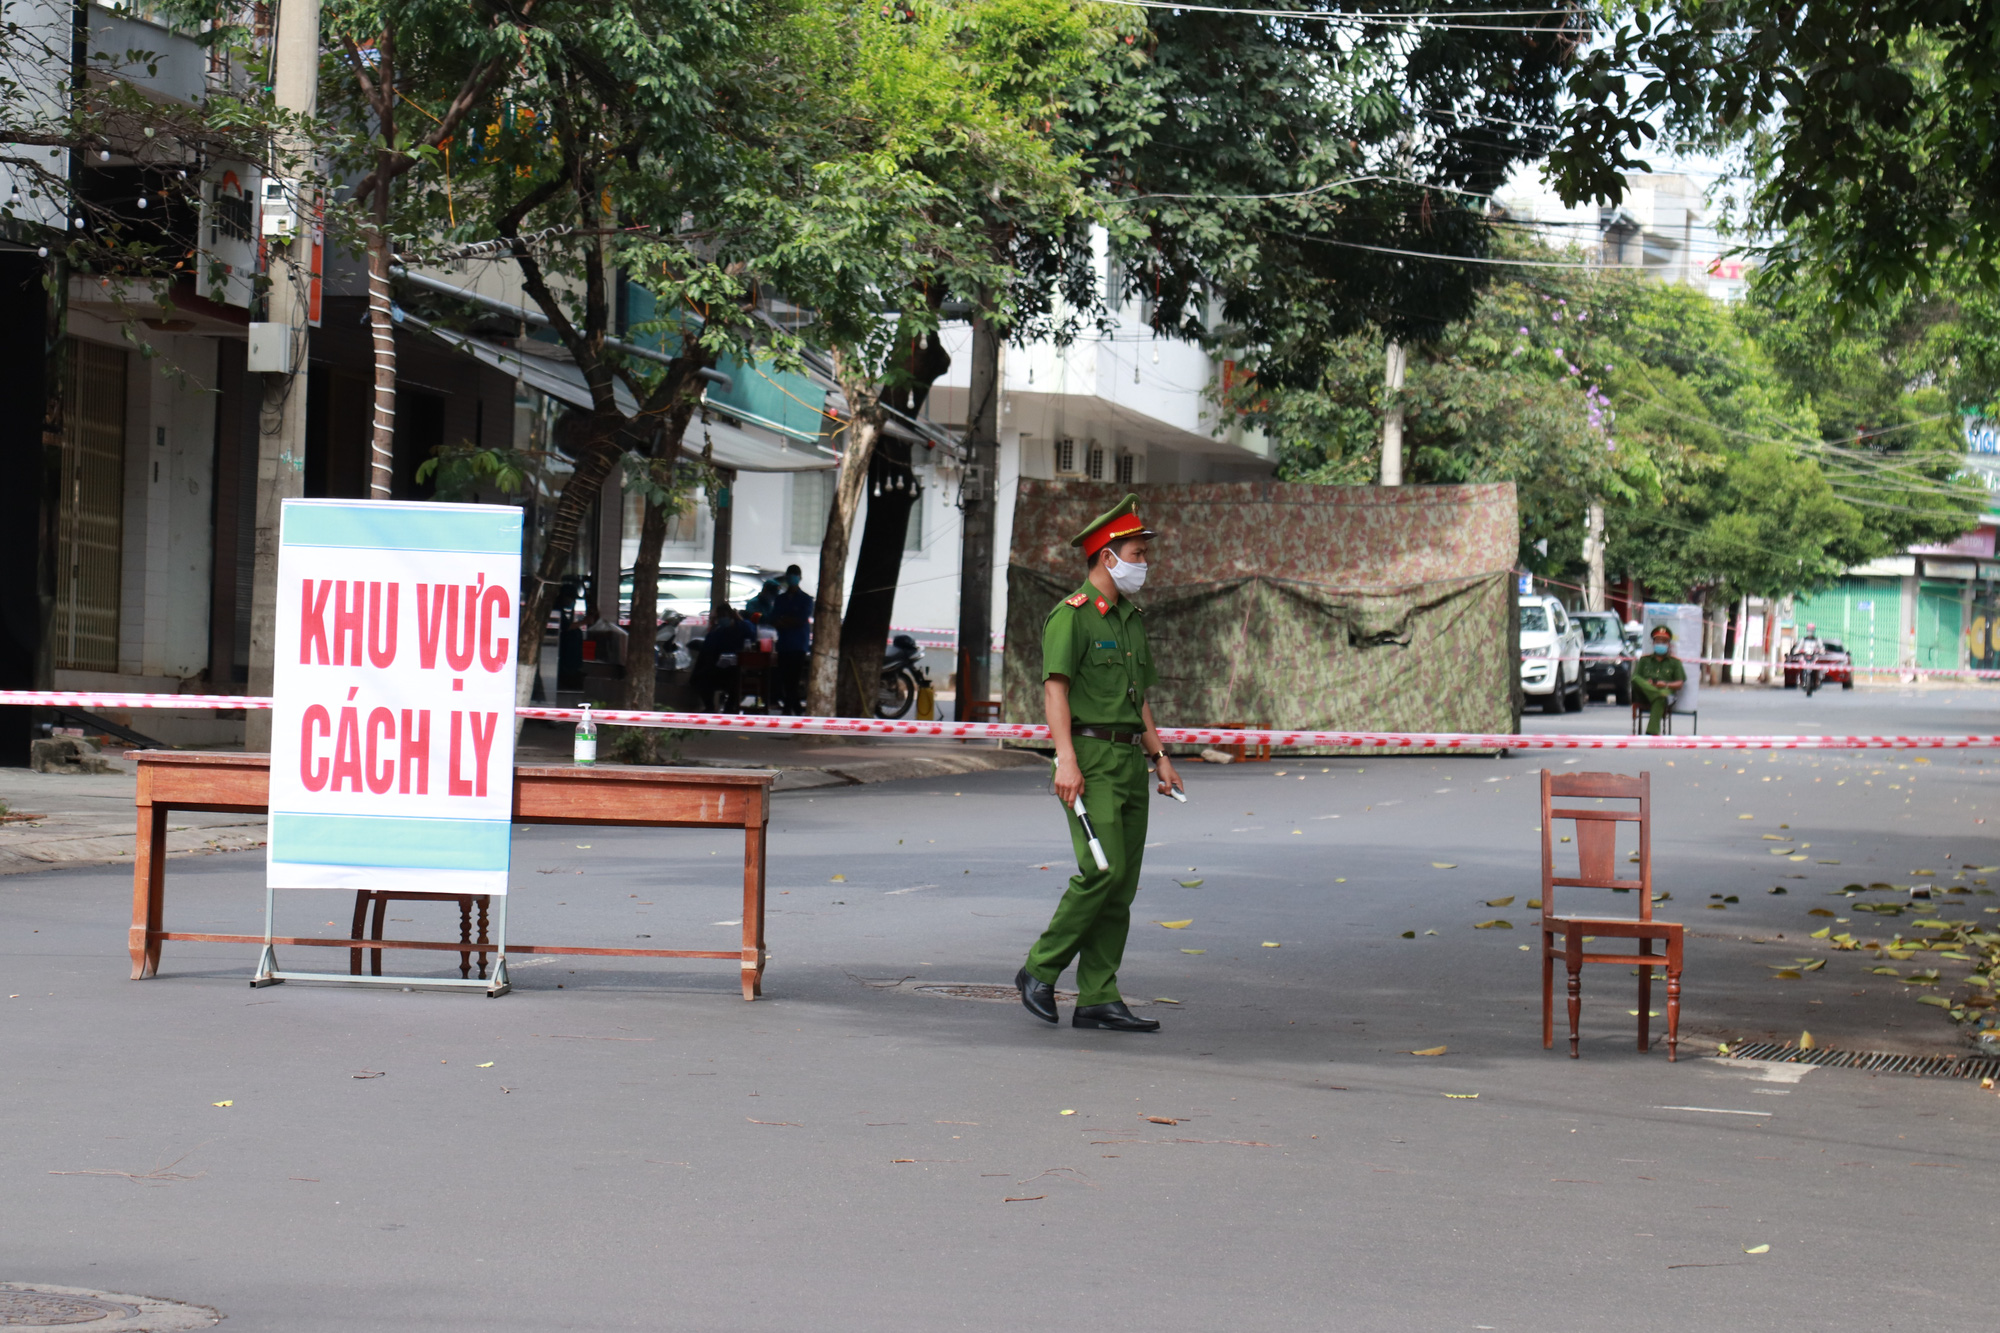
(1026, 731)
(1825, 668)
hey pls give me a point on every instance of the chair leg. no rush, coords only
(1548, 990)
(1673, 998)
(381, 911)
(464, 937)
(484, 903)
(361, 899)
(1573, 959)
(1645, 991)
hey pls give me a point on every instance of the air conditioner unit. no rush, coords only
(1066, 458)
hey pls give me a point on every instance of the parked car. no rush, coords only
(1607, 658)
(1551, 655)
(1836, 664)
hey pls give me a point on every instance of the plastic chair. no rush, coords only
(1596, 854)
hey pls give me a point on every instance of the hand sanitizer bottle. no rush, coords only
(586, 739)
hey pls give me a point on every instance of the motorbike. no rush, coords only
(903, 677)
(1809, 670)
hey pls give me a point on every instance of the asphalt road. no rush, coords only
(633, 1147)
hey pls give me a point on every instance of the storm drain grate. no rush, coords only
(1878, 1062)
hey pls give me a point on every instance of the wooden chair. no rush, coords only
(755, 675)
(1596, 855)
(1246, 752)
(380, 899)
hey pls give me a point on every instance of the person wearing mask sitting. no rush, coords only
(1657, 679)
(729, 635)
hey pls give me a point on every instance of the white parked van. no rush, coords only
(1551, 655)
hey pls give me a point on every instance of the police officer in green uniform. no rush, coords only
(1096, 668)
(1657, 679)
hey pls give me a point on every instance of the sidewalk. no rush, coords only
(82, 819)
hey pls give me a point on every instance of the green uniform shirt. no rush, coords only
(1658, 667)
(1101, 647)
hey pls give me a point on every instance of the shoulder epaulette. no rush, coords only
(1076, 599)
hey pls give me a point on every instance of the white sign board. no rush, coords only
(392, 733)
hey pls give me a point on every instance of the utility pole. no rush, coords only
(1392, 418)
(281, 425)
(976, 501)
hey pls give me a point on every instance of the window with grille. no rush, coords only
(1096, 463)
(90, 514)
(1125, 468)
(1066, 458)
(913, 535)
(812, 502)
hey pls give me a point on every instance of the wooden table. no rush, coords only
(543, 794)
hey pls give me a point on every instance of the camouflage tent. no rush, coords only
(1330, 607)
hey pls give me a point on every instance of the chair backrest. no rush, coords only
(751, 659)
(1597, 833)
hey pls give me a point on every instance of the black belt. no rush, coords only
(1107, 734)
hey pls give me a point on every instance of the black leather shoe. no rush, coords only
(1113, 1017)
(1038, 996)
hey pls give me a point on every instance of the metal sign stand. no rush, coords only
(496, 983)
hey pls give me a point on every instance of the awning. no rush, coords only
(734, 448)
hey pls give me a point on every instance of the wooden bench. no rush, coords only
(553, 794)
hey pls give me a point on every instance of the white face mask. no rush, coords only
(1127, 577)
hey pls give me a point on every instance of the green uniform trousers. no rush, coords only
(1656, 699)
(1091, 921)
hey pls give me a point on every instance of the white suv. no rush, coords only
(1551, 655)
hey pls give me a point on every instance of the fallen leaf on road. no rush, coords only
(1068, 1113)
(1163, 1120)
(1444, 865)
(228, 1103)
(1786, 974)
(1272, 944)
(1746, 816)
(1463, 1096)
(1161, 999)
(1779, 888)
(1176, 925)
(1031, 1197)
(1194, 951)
(1650, 1013)
(1508, 901)
(1758, 1249)
(840, 879)
(370, 1073)
(1773, 837)
(1817, 911)
(1806, 1042)
(1937, 1000)
(1493, 925)
(1428, 1050)
(1409, 934)
(1814, 966)
(792, 1123)
(1883, 971)
(487, 1065)
(1534, 904)
(1822, 932)
(1184, 883)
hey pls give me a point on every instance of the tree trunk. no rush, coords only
(863, 428)
(864, 632)
(893, 491)
(381, 324)
(1593, 556)
(644, 622)
(382, 333)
